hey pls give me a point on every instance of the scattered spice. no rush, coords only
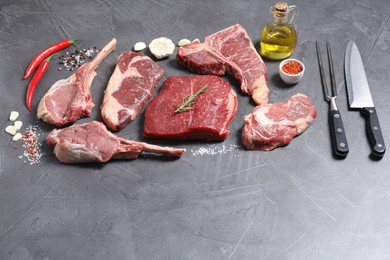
(76, 58)
(32, 147)
(292, 67)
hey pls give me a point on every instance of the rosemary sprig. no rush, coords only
(189, 101)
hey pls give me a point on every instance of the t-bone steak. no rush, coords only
(229, 51)
(273, 125)
(208, 118)
(93, 143)
(130, 87)
(70, 99)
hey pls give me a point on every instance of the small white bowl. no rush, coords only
(291, 78)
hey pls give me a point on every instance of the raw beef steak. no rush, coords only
(273, 125)
(231, 51)
(70, 99)
(207, 119)
(130, 87)
(92, 142)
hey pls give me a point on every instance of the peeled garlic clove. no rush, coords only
(17, 137)
(183, 42)
(18, 125)
(10, 129)
(196, 40)
(14, 115)
(139, 46)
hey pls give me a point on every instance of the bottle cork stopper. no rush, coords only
(281, 7)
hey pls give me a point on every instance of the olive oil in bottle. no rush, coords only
(279, 37)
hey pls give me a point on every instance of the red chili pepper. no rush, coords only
(46, 53)
(35, 80)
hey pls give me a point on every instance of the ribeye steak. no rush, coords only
(207, 119)
(130, 87)
(229, 51)
(273, 125)
(93, 143)
(70, 99)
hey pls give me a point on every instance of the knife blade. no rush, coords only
(359, 96)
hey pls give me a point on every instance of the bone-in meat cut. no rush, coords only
(70, 99)
(93, 143)
(229, 51)
(130, 87)
(273, 125)
(208, 118)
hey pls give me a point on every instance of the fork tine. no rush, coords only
(331, 70)
(323, 80)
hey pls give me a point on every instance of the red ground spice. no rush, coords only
(292, 67)
(32, 146)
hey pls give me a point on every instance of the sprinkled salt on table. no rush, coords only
(213, 149)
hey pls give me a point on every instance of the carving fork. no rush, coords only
(340, 143)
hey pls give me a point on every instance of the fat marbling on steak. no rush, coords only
(207, 119)
(93, 143)
(130, 87)
(229, 51)
(70, 99)
(272, 125)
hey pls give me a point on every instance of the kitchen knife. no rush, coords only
(359, 96)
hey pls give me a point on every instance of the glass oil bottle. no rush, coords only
(279, 37)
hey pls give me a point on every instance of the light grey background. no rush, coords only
(296, 202)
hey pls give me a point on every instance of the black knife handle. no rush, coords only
(374, 131)
(340, 143)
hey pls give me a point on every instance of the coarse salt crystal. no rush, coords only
(215, 150)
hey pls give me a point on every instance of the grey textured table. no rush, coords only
(296, 202)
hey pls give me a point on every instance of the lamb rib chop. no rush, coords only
(70, 99)
(92, 142)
